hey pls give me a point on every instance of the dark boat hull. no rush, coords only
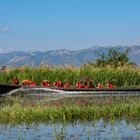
(4, 88)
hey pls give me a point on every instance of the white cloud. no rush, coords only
(4, 29)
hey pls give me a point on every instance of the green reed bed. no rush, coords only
(61, 110)
(126, 76)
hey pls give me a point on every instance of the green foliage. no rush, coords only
(114, 58)
(72, 109)
(125, 76)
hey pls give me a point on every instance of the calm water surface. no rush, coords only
(119, 130)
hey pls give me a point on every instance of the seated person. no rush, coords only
(26, 82)
(79, 85)
(66, 85)
(32, 83)
(99, 85)
(86, 85)
(57, 84)
(45, 83)
(15, 81)
(109, 85)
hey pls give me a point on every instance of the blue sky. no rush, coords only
(31, 25)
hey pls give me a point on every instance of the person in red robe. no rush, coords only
(99, 85)
(26, 82)
(79, 85)
(15, 81)
(45, 83)
(67, 85)
(57, 84)
(86, 85)
(109, 85)
(32, 83)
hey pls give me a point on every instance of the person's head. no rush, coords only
(3, 67)
(60, 82)
(77, 83)
(107, 81)
(26, 82)
(23, 82)
(16, 78)
(99, 84)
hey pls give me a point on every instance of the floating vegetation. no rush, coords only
(22, 109)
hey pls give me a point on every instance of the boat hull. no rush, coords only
(5, 88)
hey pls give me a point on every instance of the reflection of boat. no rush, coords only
(5, 88)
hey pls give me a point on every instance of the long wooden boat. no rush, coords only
(5, 88)
(8, 88)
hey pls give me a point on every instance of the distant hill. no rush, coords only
(62, 56)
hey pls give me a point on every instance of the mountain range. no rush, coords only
(62, 56)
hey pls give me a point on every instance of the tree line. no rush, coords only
(114, 58)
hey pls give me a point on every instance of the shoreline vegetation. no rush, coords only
(119, 77)
(69, 109)
(113, 67)
(24, 110)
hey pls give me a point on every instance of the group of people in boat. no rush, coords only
(59, 84)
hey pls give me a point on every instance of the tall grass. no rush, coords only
(119, 77)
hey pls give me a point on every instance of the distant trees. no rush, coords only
(114, 58)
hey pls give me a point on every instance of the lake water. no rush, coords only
(99, 130)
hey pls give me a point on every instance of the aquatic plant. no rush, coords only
(64, 111)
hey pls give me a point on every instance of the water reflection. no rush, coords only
(118, 130)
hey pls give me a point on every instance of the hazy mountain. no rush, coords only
(62, 56)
